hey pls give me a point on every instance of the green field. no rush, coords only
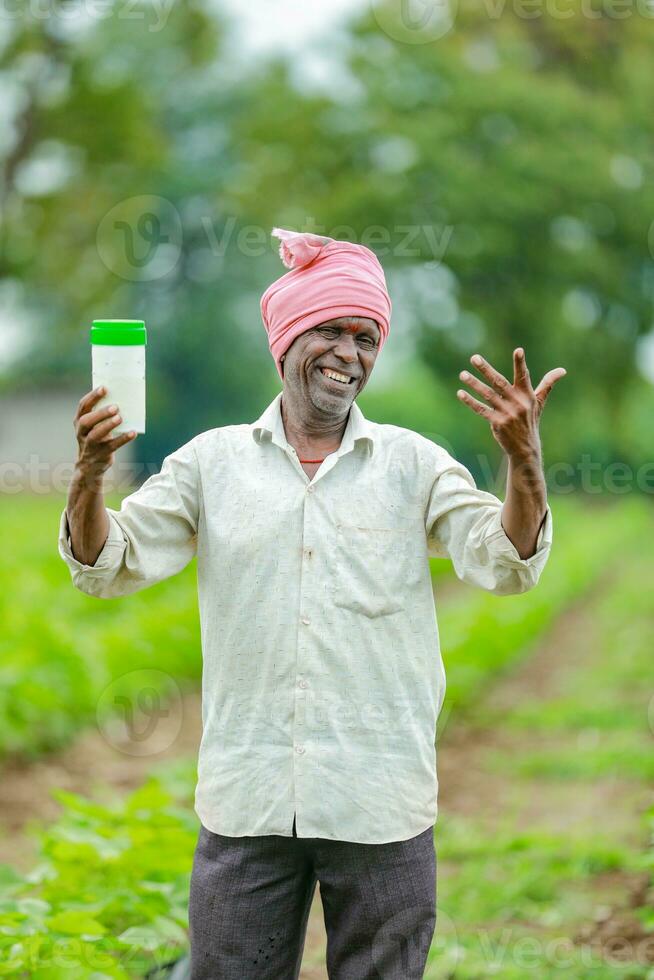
(109, 893)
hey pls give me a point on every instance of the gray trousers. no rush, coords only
(250, 900)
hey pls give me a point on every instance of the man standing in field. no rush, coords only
(322, 673)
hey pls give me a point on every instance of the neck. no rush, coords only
(312, 436)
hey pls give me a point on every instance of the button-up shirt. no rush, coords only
(322, 672)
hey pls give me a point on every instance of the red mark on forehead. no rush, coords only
(352, 326)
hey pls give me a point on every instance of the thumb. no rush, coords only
(548, 382)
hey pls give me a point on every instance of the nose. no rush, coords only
(345, 347)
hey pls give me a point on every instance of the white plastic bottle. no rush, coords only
(118, 363)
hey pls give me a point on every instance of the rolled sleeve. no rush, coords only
(464, 524)
(151, 537)
(521, 574)
(505, 550)
(109, 558)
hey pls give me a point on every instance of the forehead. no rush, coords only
(353, 324)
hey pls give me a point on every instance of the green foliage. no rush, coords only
(59, 648)
(483, 635)
(512, 900)
(109, 897)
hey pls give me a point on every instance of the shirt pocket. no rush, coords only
(374, 570)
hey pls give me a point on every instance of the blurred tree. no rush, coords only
(112, 206)
(502, 172)
(504, 175)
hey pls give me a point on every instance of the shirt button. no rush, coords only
(310, 488)
(304, 683)
(299, 749)
(307, 552)
(306, 621)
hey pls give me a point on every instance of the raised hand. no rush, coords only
(513, 410)
(96, 446)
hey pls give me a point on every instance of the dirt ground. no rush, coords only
(91, 760)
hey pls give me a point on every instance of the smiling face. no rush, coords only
(346, 347)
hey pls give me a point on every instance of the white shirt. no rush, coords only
(322, 672)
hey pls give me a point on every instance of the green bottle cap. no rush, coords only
(118, 332)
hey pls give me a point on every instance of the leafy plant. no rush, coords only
(110, 896)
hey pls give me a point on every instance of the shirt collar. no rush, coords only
(270, 423)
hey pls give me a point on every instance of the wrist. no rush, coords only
(88, 477)
(531, 455)
(525, 474)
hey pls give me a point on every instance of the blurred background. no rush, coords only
(498, 157)
(501, 169)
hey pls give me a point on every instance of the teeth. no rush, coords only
(343, 378)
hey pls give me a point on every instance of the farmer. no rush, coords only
(322, 672)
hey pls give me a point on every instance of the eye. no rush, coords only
(328, 331)
(368, 342)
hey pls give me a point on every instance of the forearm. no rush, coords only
(525, 505)
(87, 517)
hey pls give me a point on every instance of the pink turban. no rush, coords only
(328, 279)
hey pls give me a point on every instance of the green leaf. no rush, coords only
(10, 879)
(76, 924)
